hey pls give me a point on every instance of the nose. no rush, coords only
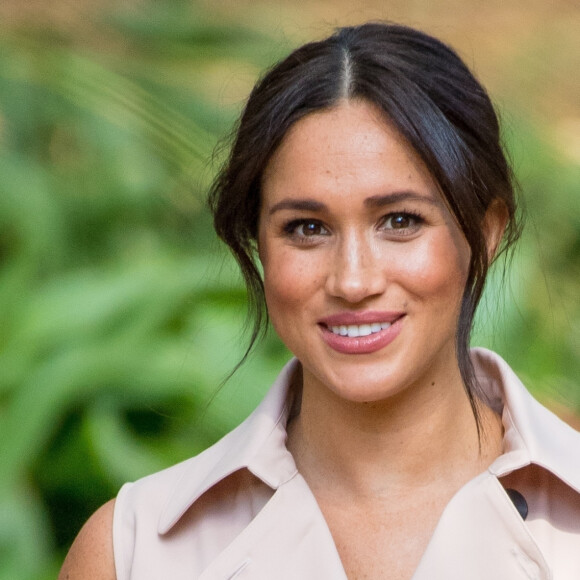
(356, 271)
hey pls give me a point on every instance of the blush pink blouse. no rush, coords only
(241, 510)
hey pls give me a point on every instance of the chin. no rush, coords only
(354, 388)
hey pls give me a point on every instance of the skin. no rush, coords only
(384, 439)
(91, 555)
(351, 221)
(344, 159)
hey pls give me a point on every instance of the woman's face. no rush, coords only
(364, 266)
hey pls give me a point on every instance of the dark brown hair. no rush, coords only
(426, 92)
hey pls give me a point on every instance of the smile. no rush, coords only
(356, 330)
(362, 332)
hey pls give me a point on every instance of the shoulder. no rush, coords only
(131, 533)
(91, 555)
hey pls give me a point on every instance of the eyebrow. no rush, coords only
(375, 201)
(297, 204)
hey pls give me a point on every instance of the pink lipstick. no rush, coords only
(361, 332)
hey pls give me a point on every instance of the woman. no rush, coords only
(368, 178)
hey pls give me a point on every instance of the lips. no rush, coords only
(361, 332)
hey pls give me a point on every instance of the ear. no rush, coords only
(494, 224)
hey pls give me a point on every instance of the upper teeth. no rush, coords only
(354, 330)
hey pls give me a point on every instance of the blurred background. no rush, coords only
(120, 314)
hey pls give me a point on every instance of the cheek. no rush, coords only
(290, 288)
(288, 281)
(436, 270)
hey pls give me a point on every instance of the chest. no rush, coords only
(383, 539)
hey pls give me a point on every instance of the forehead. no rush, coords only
(352, 146)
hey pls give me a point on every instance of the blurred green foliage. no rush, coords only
(120, 315)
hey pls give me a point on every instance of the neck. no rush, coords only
(364, 449)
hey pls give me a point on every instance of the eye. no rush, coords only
(403, 223)
(305, 228)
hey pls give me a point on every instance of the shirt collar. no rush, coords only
(532, 435)
(258, 444)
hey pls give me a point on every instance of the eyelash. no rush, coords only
(413, 216)
(290, 228)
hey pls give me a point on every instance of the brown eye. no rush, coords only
(310, 229)
(303, 228)
(400, 221)
(403, 222)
